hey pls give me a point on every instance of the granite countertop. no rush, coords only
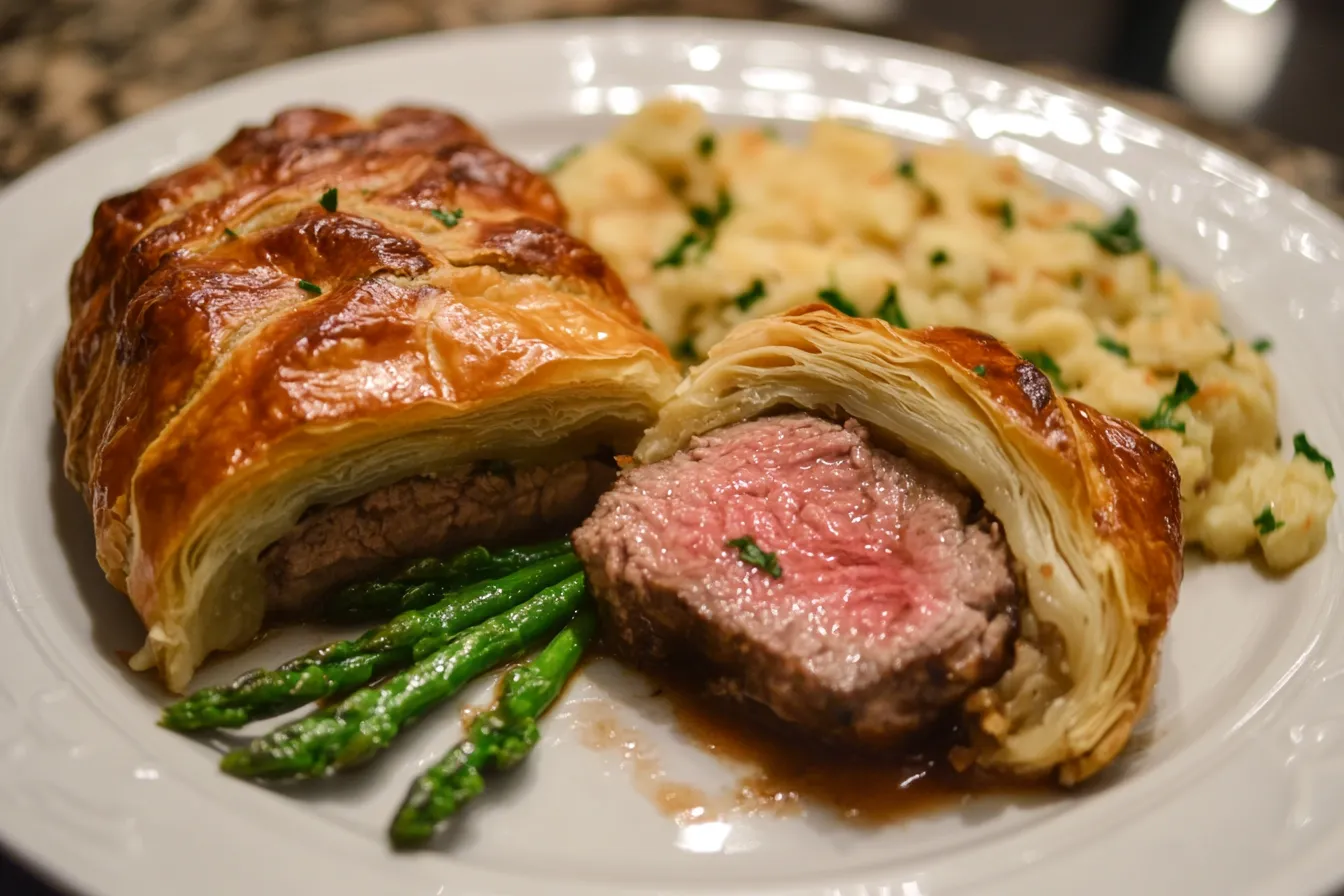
(69, 68)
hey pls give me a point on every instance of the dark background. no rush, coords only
(1260, 77)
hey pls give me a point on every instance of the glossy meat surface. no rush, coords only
(894, 595)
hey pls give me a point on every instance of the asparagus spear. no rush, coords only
(499, 738)
(426, 581)
(343, 665)
(366, 722)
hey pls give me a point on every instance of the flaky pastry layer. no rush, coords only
(324, 306)
(1089, 505)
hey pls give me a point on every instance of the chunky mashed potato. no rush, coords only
(708, 229)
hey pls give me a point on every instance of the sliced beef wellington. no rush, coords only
(281, 356)
(867, 529)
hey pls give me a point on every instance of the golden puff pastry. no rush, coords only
(325, 312)
(1090, 508)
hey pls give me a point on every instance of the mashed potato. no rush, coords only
(708, 229)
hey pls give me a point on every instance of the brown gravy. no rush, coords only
(786, 771)
(601, 729)
(782, 772)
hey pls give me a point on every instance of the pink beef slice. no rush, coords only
(897, 595)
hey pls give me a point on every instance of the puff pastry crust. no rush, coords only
(240, 350)
(1089, 505)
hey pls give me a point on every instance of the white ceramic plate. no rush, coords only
(1237, 784)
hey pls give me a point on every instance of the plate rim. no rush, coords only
(1302, 202)
(179, 104)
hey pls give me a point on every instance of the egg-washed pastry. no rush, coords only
(335, 342)
(709, 228)
(865, 528)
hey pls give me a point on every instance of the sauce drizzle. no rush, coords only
(782, 772)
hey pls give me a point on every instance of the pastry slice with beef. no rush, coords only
(333, 343)
(872, 532)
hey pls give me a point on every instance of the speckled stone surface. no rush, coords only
(69, 68)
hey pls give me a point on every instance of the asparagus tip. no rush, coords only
(237, 763)
(174, 719)
(409, 831)
(244, 763)
(182, 718)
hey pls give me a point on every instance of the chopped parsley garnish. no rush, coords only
(703, 216)
(1306, 449)
(978, 370)
(1046, 365)
(563, 158)
(749, 552)
(328, 200)
(1262, 345)
(1006, 215)
(890, 309)
(723, 207)
(832, 296)
(228, 232)
(932, 203)
(1184, 390)
(710, 218)
(1119, 236)
(310, 287)
(1115, 348)
(1266, 522)
(770, 132)
(751, 295)
(938, 258)
(685, 350)
(705, 146)
(447, 219)
(707, 221)
(676, 256)
(1076, 281)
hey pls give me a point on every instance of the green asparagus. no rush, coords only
(344, 665)
(366, 722)
(426, 581)
(499, 738)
